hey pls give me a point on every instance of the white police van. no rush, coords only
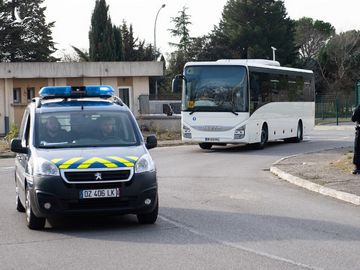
(80, 151)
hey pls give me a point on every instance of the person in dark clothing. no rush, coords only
(53, 131)
(106, 129)
(356, 160)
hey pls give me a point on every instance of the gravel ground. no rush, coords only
(320, 168)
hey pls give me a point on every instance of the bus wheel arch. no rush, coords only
(264, 136)
(299, 133)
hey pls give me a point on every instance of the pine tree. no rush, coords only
(24, 32)
(249, 28)
(182, 53)
(181, 30)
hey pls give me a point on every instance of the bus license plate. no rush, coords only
(212, 139)
(100, 193)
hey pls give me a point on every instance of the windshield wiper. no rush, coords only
(232, 111)
(194, 110)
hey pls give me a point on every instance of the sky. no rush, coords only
(72, 17)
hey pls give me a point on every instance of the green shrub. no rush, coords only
(14, 131)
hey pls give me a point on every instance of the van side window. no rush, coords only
(25, 130)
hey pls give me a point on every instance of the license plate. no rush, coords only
(212, 139)
(100, 193)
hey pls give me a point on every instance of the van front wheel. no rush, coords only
(33, 222)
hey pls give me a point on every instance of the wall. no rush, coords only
(156, 106)
(134, 75)
(160, 123)
(140, 87)
(23, 84)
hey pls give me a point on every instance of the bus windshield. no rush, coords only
(215, 89)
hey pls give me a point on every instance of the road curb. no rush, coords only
(340, 195)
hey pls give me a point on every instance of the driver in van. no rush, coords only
(53, 131)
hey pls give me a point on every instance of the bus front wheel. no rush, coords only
(205, 146)
(263, 138)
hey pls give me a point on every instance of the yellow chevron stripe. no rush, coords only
(69, 162)
(123, 161)
(87, 163)
(56, 160)
(133, 158)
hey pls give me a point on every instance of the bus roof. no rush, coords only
(258, 63)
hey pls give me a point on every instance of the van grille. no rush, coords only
(97, 176)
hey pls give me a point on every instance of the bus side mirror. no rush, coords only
(177, 83)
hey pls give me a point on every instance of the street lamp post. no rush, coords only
(157, 14)
(155, 53)
(273, 50)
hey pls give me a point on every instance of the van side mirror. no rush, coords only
(177, 83)
(17, 147)
(151, 142)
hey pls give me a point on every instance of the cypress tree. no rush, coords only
(101, 35)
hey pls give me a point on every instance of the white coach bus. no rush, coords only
(245, 102)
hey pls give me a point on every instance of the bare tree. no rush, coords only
(340, 61)
(311, 36)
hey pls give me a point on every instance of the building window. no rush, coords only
(17, 95)
(124, 94)
(30, 93)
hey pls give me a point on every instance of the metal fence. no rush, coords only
(333, 109)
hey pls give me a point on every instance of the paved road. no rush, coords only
(220, 209)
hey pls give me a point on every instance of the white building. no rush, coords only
(20, 82)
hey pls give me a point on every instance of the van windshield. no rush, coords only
(85, 129)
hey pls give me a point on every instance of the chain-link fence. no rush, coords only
(333, 109)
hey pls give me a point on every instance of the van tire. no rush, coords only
(19, 206)
(33, 222)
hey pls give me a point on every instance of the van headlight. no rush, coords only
(145, 164)
(43, 167)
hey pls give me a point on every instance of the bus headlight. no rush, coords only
(186, 132)
(239, 133)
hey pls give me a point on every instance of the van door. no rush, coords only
(21, 160)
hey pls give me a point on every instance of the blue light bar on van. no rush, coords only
(49, 92)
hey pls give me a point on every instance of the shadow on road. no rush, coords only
(181, 226)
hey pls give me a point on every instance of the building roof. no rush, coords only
(81, 69)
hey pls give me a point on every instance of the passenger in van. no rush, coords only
(106, 128)
(53, 131)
